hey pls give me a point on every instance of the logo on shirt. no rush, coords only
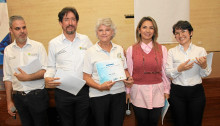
(82, 48)
(11, 58)
(119, 55)
(61, 51)
(32, 54)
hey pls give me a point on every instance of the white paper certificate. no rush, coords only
(110, 70)
(69, 82)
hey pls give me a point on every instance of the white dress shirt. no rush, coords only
(96, 54)
(66, 55)
(177, 56)
(14, 57)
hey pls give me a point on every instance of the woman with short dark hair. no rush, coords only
(186, 65)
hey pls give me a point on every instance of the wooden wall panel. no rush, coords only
(41, 18)
(205, 18)
(42, 21)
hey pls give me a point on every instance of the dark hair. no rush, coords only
(184, 25)
(66, 10)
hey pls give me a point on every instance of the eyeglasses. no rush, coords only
(181, 32)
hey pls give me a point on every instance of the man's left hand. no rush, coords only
(22, 76)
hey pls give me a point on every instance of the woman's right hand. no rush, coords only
(106, 85)
(185, 66)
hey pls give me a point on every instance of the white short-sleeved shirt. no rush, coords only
(96, 54)
(66, 55)
(14, 57)
(177, 56)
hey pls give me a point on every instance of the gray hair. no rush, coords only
(107, 22)
(13, 18)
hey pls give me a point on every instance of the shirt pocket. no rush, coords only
(12, 61)
(64, 56)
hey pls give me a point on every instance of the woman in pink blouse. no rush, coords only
(146, 63)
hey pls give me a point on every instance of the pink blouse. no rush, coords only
(152, 95)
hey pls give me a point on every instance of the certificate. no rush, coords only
(69, 82)
(164, 110)
(110, 70)
(32, 67)
(195, 69)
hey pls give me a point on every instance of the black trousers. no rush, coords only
(147, 117)
(32, 107)
(187, 104)
(108, 110)
(73, 109)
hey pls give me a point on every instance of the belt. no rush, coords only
(31, 92)
(152, 72)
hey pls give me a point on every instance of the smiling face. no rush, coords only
(147, 31)
(183, 36)
(19, 30)
(104, 33)
(69, 23)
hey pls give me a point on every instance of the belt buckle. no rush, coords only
(23, 93)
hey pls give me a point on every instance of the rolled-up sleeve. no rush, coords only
(6, 68)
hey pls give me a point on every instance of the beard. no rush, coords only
(22, 39)
(72, 31)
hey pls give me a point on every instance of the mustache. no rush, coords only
(70, 26)
(22, 34)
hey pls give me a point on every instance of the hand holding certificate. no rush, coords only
(69, 82)
(32, 67)
(110, 70)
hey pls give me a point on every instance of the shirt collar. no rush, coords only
(14, 44)
(149, 45)
(190, 47)
(98, 48)
(63, 37)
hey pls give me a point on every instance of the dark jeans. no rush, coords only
(109, 110)
(32, 107)
(73, 109)
(187, 104)
(147, 117)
